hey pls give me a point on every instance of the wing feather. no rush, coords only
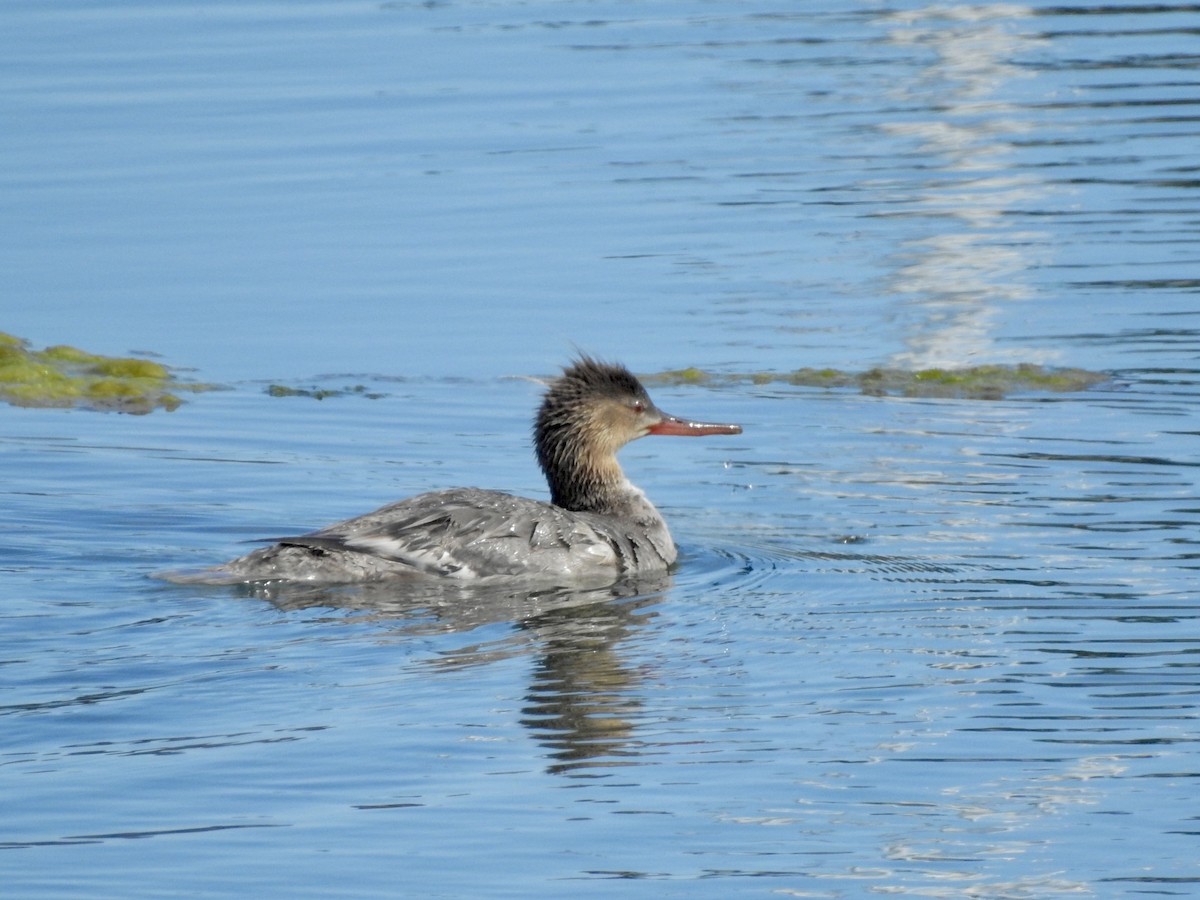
(471, 533)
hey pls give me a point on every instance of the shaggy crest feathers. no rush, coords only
(587, 376)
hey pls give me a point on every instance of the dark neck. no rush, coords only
(580, 478)
(587, 488)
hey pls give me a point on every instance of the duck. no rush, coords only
(597, 526)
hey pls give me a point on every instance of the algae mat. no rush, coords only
(67, 377)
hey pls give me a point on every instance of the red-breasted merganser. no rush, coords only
(597, 525)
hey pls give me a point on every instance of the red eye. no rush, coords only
(639, 406)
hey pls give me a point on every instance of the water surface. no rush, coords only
(932, 647)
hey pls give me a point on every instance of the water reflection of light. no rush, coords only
(958, 278)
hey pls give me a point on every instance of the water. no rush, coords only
(916, 646)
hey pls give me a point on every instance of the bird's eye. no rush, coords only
(638, 407)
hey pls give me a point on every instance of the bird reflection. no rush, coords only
(581, 705)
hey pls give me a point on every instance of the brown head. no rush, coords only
(586, 416)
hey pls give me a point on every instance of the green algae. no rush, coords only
(690, 375)
(986, 382)
(67, 377)
(322, 393)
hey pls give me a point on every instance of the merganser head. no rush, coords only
(586, 416)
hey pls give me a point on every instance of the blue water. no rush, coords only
(931, 647)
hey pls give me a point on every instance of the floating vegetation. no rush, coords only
(321, 393)
(991, 382)
(63, 376)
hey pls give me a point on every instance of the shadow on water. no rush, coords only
(580, 702)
